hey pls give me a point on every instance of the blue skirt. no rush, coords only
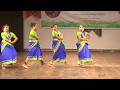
(84, 54)
(35, 52)
(59, 51)
(8, 54)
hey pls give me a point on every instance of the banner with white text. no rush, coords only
(89, 19)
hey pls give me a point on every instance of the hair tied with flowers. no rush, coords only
(51, 26)
(2, 27)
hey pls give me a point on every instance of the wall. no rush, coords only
(110, 38)
(15, 20)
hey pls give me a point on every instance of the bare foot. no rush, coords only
(25, 66)
(3, 67)
(50, 64)
(81, 64)
(42, 63)
(65, 63)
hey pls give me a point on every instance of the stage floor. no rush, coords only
(106, 65)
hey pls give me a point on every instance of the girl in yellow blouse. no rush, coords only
(8, 52)
(84, 54)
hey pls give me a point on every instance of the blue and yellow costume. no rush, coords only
(8, 52)
(58, 48)
(35, 52)
(84, 54)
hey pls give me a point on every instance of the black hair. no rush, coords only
(54, 25)
(33, 24)
(5, 25)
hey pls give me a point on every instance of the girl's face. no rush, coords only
(81, 29)
(35, 27)
(6, 29)
(55, 27)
